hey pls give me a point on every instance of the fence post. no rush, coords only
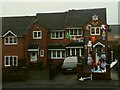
(108, 72)
(79, 70)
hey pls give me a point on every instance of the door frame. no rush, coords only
(95, 47)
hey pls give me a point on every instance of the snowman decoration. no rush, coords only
(89, 43)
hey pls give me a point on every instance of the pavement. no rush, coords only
(40, 79)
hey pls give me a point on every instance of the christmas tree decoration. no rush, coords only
(67, 35)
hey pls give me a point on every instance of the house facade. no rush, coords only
(52, 37)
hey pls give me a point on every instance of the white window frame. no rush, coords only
(58, 35)
(9, 61)
(74, 32)
(37, 35)
(56, 54)
(13, 38)
(95, 30)
(41, 53)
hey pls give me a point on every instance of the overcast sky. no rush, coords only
(33, 6)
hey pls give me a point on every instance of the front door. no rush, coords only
(33, 57)
(99, 50)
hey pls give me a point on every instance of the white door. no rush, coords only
(98, 53)
(33, 57)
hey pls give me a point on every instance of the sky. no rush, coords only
(31, 7)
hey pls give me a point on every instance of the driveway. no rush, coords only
(40, 79)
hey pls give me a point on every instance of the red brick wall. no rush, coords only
(56, 61)
(42, 42)
(17, 50)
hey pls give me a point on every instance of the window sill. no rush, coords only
(57, 58)
(76, 35)
(37, 38)
(10, 44)
(95, 34)
(57, 38)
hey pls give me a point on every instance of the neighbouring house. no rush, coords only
(114, 40)
(52, 37)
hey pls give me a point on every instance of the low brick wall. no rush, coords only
(85, 71)
(15, 73)
(54, 68)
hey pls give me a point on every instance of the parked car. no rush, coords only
(70, 65)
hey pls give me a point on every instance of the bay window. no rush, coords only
(11, 61)
(56, 54)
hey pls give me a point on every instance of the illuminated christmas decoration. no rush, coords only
(103, 35)
(67, 35)
(88, 27)
(93, 38)
(89, 43)
(95, 17)
(103, 26)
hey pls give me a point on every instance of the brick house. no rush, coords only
(54, 36)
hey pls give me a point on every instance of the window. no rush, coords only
(37, 34)
(10, 40)
(63, 53)
(75, 32)
(95, 31)
(57, 35)
(71, 32)
(42, 53)
(61, 35)
(56, 54)
(11, 61)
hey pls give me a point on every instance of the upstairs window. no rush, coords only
(10, 40)
(75, 32)
(37, 34)
(95, 31)
(57, 35)
(11, 61)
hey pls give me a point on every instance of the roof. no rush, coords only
(56, 46)
(78, 18)
(18, 25)
(75, 44)
(53, 21)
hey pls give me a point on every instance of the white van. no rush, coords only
(70, 64)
